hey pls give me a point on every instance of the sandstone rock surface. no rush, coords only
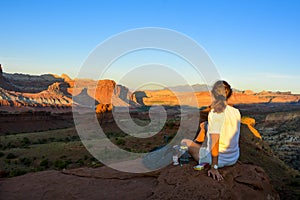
(241, 181)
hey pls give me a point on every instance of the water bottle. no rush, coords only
(176, 154)
(184, 158)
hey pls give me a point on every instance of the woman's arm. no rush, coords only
(214, 157)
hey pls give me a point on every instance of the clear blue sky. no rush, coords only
(254, 44)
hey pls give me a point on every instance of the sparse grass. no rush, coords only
(32, 152)
(25, 139)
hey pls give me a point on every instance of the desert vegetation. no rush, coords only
(62, 148)
(31, 152)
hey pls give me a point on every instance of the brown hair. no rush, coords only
(221, 91)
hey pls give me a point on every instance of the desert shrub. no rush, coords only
(10, 145)
(16, 172)
(128, 149)
(26, 161)
(1, 154)
(11, 156)
(67, 139)
(75, 138)
(42, 141)
(7, 161)
(80, 162)
(69, 161)
(44, 163)
(96, 164)
(93, 159)
(120, 141)
(170, 124)
(25, 141)
(115, 134)
(60, 164)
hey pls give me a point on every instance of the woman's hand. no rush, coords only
(215, 174)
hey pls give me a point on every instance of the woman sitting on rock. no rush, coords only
(223, 133)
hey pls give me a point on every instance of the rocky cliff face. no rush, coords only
(52, 97)
(281, 131)
(25, 92)
(30, 84)
(102, 91)
(19, 92)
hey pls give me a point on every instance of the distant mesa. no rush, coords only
(32, 92)
(189, 88)
(28, 83)
(284, 93)
(66, 78)
(264, 92)
(51, 91)
(103, 91)
(63, 77)
(138, 96)
(248, 92)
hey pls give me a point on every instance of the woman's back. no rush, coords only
(227, 124)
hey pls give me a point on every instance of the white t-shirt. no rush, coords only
(227, 124)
